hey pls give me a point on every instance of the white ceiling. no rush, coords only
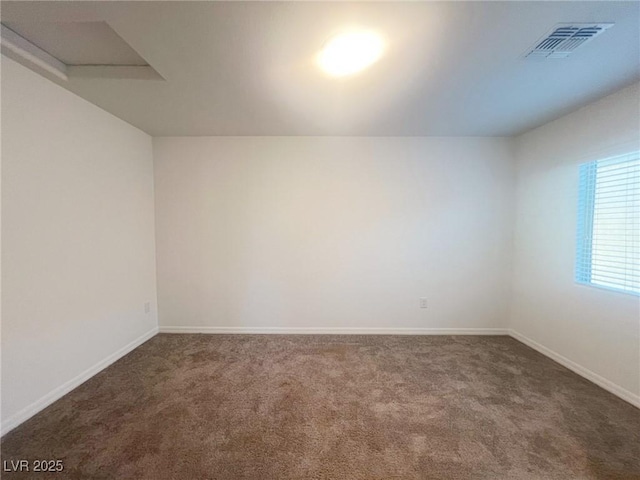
(451, 68)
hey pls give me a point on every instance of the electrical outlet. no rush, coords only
(147, 307)
(423, 302)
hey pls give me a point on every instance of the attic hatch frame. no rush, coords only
(31, 55)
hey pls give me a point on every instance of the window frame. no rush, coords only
(587, 187)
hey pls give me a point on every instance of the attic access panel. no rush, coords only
(79, 43)
(78, 49)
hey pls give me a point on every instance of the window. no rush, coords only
(608, 250)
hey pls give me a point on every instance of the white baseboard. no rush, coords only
(608, 385)
(43, 402)
(336, 330)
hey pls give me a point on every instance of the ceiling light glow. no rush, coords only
(350, 53)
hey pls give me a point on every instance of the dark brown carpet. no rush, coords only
(334, 407)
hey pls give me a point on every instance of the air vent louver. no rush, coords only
(565, 38)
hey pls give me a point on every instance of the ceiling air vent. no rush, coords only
(564, 38)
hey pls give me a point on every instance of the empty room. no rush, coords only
(320, 240)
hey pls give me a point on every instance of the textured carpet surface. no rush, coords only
(336, 407)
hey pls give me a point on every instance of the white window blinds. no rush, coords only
(608, 247)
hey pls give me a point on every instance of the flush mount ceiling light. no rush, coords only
(349, 53)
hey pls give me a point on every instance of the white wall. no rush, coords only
(325, 233)
(78, 260)
(598, 330)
